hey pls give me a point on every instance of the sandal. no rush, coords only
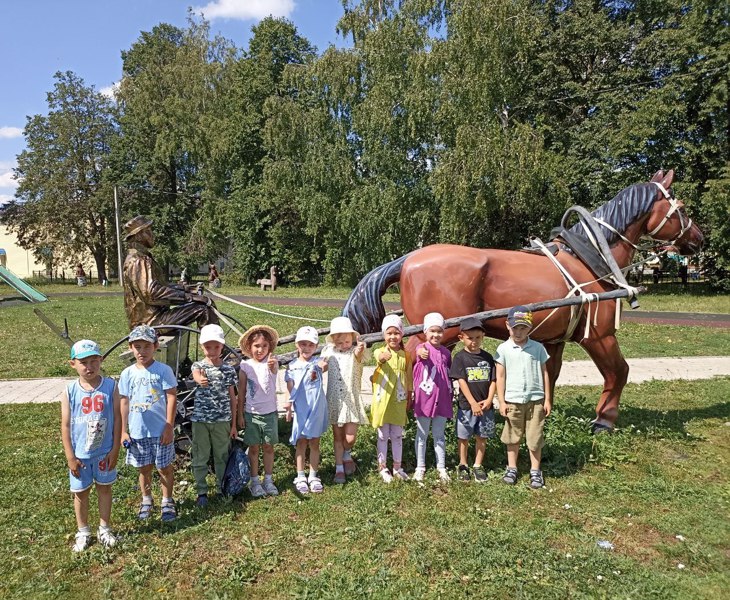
(169, 512)
(510, 476)
(536, 480)
(350, 466)
(315, 485)
(145, 510)
(300, 483)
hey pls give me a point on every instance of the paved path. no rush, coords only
(579, 372)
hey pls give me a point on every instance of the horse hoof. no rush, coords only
(600, 428)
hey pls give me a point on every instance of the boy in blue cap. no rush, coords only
(149, 400)
(91, 433)
(523, 389)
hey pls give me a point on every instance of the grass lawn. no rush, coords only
(657, 490)
(102, 318)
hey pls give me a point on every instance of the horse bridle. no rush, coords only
(674, 206)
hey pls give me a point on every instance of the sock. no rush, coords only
(254, 480)
(346, 455)
(146, 499)
(301, 474)
(85, 530)
(104, 528)
(167, 501)
(312, 473)
(476, 466)
(267, 477)
(339, 468)
(535, 471)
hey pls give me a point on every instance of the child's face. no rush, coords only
(144, 352)
(212, 350)
(306, 349)
(393, 338)
(472, 340)
(260, 348)
(519, 333)
(87, 368)
(434, 335)
(342, 341)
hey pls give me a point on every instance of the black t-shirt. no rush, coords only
(478, 371)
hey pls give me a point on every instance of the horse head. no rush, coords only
(668, 221)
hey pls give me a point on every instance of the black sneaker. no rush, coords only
(464, 474)
(480, 475)
(202, 501)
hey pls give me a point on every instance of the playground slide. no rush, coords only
(29, 293)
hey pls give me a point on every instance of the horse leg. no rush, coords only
(607, 356)
(554, 363)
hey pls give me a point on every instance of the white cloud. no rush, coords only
(245, 10)
(110, 90)
(5, 198)
(10, 132)
(7, 181)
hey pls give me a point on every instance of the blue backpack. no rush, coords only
(238, 471)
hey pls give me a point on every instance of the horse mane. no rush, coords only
(626, 207)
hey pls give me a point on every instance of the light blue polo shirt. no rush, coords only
(523, 370)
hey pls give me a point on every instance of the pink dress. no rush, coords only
(433, 392)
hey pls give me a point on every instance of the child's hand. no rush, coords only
(167, 435)
(126, 440)
(548, 406)
(234, 433)
(323, 364)
(409, 402)
(502, 408)
(287, 407)
(486, 405)
(271, 362)
(476, 408)
(422, 353)
(241, 423)
(203, 378)
(75, 466)
(384, 356)
(111, 460)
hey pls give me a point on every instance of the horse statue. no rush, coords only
(458, 280)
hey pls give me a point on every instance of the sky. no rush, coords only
(40, 37)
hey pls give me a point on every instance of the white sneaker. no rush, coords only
(256, 490)
(270, 488)
(401, 474)
(106, 537)
(82, 542)
(444, 475)
(419, 474)
(385, 475)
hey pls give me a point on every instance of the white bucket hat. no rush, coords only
(307, 334)
(392, 321)
(341, 325)
(212, 333)
(433, 319)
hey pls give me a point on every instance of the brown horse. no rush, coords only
(457, 281)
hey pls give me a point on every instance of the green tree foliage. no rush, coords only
(63, 203)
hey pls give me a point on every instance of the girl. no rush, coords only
(344, 356)
(257, 404)
(304, 382)
(432, 404)
(392, 389)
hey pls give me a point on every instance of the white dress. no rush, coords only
(344, 382)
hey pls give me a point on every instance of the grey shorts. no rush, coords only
(261, 429)
(468, 425)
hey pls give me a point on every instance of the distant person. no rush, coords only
(184, 275)
(80, 275)
(683, 273)
(214, 279)
(523, 388)
(91, 430)
(214, 411)
(474, 370)
(149, 401)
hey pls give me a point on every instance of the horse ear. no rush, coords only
(658, 176)
(668, 178)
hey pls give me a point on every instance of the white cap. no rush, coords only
(307, 334)
(392, 321)
(212, 333)
(341, 325)
(433, 319)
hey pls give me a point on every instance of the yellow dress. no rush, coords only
(392, 381)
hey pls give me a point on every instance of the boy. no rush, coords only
(213, 410)
(149, 399)
(91, 432)
(473, 369)
(523, 389)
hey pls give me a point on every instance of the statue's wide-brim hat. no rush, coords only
(244, 343)
(136, 225)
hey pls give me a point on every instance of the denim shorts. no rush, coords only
(468, 425)
(147, 451)
(94, 471)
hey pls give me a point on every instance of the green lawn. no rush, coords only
(657, 490)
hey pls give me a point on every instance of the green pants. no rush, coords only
(206, 437)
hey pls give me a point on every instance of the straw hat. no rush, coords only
(244, 343)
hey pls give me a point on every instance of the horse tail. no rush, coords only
(365, 307)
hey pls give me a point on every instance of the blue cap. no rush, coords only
(143, 332)
(520, 315)
(84, 348)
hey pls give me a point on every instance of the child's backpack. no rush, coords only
(238, 470)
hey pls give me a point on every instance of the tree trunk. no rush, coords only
(100, 260)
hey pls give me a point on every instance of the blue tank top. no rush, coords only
(92, 418)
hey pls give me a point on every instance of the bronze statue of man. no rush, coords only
(148, 298)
